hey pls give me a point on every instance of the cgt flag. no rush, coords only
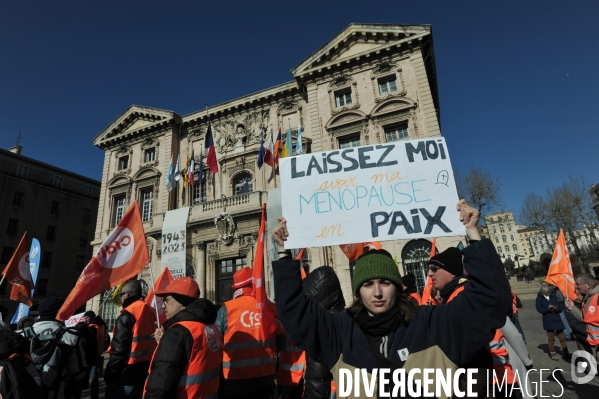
(155, 301)
(17, 273)
(121, 257)
(560, 271)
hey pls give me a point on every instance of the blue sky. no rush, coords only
(518, 80)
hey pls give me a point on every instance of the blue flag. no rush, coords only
(261, 153)
(298, 143)
(34, 266)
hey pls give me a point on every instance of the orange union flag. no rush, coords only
(560, 271)
(121, 256)
(17, 273)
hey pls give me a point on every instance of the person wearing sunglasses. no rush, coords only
(384, 327)
(132, 345)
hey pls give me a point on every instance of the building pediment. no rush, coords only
(359, 40)
(134, 120)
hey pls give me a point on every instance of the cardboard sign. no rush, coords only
(399, 190)
(73, 320)
(174, 241)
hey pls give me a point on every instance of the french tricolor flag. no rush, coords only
(269, 156)
(211, 152)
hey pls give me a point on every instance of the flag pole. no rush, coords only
(1, 281)
(155, 303)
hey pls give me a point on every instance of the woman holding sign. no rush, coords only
(383, 330)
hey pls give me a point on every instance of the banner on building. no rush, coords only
(34, 265)
(398, 190)
(174, 241)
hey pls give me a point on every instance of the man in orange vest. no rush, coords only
(249, 363)
(132, 345)
(97, 333)
(586, 285)
(187, 362)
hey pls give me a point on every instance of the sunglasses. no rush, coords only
(433, 268)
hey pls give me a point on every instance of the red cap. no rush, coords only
(182, 286)
(242, 277)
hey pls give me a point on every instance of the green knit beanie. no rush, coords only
(376, 264)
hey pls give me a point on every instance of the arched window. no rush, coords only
(190, 270)
(507, 248)
(415, 257)
(515, 248)
(499, 249)
(501, 228)
(243, 184)
(494, 230)
(497, 240)
(504, 238)
(509, 227)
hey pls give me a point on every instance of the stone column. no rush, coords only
(201, 270)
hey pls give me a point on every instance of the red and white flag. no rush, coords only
(122, 256)
(269, 151)
(18, 273)
(156, 301)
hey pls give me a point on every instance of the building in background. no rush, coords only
(371, 83)
(59, 208)
(503, 232)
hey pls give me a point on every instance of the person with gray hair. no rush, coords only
(132, 345)
(548, 306)
(586, 285)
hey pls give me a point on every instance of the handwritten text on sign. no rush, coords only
(378, 192)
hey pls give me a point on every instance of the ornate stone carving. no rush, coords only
(240, 164)
(225, 225)
(149, 142)
(288, 107)
(246, 241)
(212, 247)
(240, 130)
(201, 246)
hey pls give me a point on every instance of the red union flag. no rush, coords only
(121, 256)
(155, 301)
(560, 271)
(17, 272)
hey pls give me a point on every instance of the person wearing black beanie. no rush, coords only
(444, 268)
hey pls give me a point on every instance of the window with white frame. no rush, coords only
(199, 192)
(501, 228)
(123, 162)
(343, 97)
(58, 181)
(397, 132)
(387, 85)
(507, 248)
(147, 196)
(22, 171)
(515, 248)
(243, 184)
(150, 154)
(349, 141)
(499, 249)
(119, 209)
(504, 238)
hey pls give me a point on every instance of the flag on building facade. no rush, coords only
(426, 293)
(17, 273)
(269, 153)
(34, 266)
(192, 166)
(261, 152)
(178, 168)
(268, 317)
(122, 256)
(288, 146)
(298, 143)
(169, 177)
(201, 176)
(161, 283)
(560, 270)
(184, 172)
(210, 151)
(278, 148)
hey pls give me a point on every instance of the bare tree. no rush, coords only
(535, 213)
(480, 188)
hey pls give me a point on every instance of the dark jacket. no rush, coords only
(117, 369)
(551, 320)
(174, 351)
(578, 327)
(442, 336)
(323, 287)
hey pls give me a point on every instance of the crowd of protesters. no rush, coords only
(205, 352)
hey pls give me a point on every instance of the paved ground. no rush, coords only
(537, 346)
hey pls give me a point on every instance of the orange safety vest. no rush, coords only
(501, 363)
(497, 348)
(292, 362)
(591, 319)
(514, 303)
(333, 390)
(142, 344)
(245, 354)
(416, 296)
(99, 337)
(201, 375)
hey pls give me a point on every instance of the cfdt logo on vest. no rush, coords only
(119, 251)
(250, 319)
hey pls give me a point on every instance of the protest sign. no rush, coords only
(398, 190)
(73, 320)
(174, 241)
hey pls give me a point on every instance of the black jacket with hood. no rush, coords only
(174, 351)
(323, 287)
